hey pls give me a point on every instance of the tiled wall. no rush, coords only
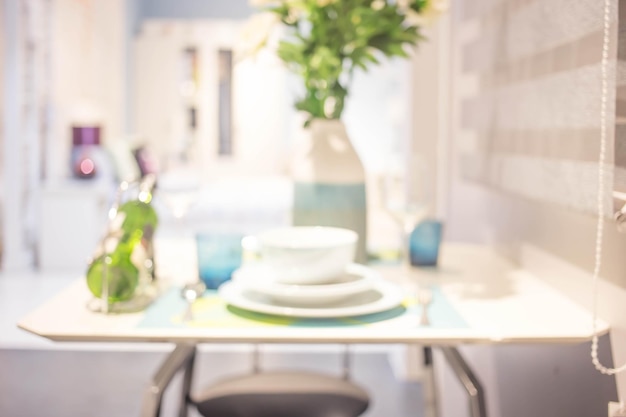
(526, 107)
(526, 128)
(532, 120)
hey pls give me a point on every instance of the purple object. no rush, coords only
(85, 135)
(86, 142)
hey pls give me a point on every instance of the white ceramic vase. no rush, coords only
(329, 181)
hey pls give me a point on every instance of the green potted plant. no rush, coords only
(324, 42)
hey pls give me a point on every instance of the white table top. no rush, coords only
(499, 303)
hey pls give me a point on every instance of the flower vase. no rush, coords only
(329, 181)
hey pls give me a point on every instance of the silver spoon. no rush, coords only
(424, 297)
(191, 292)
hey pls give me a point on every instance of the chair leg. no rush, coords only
(186, 388)
(468, 379)
(182, 357)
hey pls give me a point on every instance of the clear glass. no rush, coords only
(178, 187)
(405, 196)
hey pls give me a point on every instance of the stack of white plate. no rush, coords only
(359, 290)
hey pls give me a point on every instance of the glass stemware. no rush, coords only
(178, 186)
(405, 197)
(405, 193)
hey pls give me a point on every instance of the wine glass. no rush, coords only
(179, 186)
(404, 191)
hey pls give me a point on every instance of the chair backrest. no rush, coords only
(345, 364)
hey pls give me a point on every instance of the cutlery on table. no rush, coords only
(424, 298)
(191, 292)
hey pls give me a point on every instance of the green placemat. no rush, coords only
(212, 311)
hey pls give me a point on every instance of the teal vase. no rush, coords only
(329, 182)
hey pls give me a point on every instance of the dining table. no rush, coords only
(476, 297)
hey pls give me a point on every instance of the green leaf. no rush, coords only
(397, 50)
(372, 58)
(324, 44)
(418, 5)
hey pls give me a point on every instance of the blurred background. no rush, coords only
(500, 106)
(166, 79)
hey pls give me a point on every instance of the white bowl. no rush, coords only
(355, 279)
(307, 254)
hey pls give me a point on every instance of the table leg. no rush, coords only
(469, 381)
(431, 406)
(181, 358)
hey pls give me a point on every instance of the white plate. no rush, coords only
(383, 296)
(356, 279)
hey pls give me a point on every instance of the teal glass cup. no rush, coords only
(219, 254)
(424, 243)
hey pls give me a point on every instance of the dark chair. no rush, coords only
(260, 394)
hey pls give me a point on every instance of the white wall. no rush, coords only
(2, 58)
(429, 116)
(2, 63)
(15, 251)
(259, 98)
(77, 56)
(88, 69)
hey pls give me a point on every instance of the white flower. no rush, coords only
(436, 7)
(294, 14)
(255, 33)
(428, 15)
(378, 4)
(403, 5)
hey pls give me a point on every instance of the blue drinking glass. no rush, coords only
(219, 254)
(424, 243)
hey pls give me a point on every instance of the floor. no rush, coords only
(70, 383)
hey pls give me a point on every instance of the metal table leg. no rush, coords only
(181, 358)
(431, 406)
(468, 380)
